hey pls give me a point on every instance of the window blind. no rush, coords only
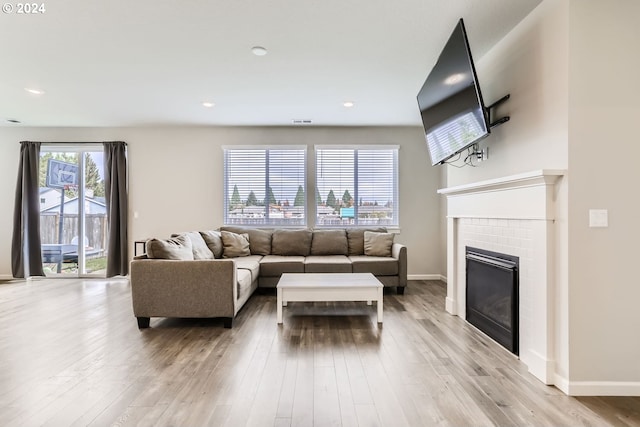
(357, 186)
(264, 186)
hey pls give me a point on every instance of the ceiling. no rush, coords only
(149, 62)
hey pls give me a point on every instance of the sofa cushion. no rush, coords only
(213, 239)
(198, 245)
(275, 265)
(377, 244)
(291, 242)
(244, 281)
(355, 238)
(259, 240)
(329, 242)
(378, 266)
(327, 264)
(235, 245)
(178, 247)
(250, 263)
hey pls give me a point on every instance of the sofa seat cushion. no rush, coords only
(378, 266)
(244, 281)
(327, 264)
(250, 263)
(275, 265)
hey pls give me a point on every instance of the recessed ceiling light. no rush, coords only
(34, 91)
(454, 78)
(348, 104)
(208, 104)
(259, 51)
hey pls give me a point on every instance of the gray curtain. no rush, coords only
(115, 183)
(26, 258)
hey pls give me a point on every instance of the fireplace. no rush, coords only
(492, 295)
(514, 215)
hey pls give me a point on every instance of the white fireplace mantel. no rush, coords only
(526, 196)
(515, 215)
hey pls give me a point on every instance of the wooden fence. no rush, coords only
(95, 229)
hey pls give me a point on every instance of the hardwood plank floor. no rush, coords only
(71, 355)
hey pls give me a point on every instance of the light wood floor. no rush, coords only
(71, 355)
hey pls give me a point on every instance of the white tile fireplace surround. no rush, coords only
(512, 215)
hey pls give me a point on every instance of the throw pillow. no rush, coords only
(378, 244)
(235, 245)
(355, 237)
(259, 239)
(291, 242)
(329, 242)
(198, 245)
(213, 239)
(178, 247)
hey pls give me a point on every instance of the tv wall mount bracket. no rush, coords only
(489, 108)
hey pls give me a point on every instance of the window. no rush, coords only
(356, 186)
(264, 186)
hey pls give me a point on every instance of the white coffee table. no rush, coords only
(310, 287)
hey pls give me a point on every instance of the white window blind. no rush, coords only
(356, 186)
(264, 186)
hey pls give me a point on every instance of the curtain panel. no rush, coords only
(115, 182)
(26, 256)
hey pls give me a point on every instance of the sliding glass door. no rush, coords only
(73, 213)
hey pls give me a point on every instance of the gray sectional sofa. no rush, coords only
(213, 273)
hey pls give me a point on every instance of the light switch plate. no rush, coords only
(598, 218)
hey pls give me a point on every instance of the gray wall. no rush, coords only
(176, 178)
(604, 148)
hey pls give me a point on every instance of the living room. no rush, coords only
(567, 66)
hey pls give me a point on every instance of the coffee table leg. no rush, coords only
(379, 305)
(279, 302)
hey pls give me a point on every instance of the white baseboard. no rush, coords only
(561, 384)
(450, 306)
(539, 366)
(603, 388)
(597, 388)
(6, 277)
(426, 277)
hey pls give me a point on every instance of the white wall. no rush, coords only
(604, 148)
(175, 180)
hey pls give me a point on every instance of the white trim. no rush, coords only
(264, 147)
(425, 277)
(355, 147)
(561, 383)
(603, 388)
(73, 147)
(537, 177)
(6, 277)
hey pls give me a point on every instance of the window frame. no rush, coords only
(267, 220)
(395, 224)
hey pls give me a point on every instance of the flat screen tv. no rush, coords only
(453, 113)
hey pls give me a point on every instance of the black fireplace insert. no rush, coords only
(492, 295)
